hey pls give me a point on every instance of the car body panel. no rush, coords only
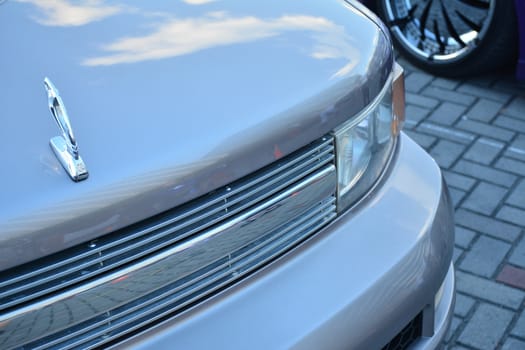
(168, 101)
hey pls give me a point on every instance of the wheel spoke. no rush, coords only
(423, 20)
(412, 10)
(400, 22)
(438, 38)
(450, 27)
(477, 4)
(473, 25)
(403, 21)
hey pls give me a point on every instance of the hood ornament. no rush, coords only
(65, 146)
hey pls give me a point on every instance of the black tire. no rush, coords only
(459, 37)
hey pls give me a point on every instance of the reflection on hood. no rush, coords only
(178, 37)
(61, 13)
(197, 2)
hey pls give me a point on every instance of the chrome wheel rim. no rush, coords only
(440, 31)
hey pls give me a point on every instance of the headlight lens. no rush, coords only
(364, 143)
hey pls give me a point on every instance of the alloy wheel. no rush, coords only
(441, 31)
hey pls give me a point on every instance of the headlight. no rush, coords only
(365, 143)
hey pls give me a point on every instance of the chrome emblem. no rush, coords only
(65, 146)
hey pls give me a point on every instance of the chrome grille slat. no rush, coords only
(160, 237)
(151, 300)
(325, 207)
(323, 155)
(327, 210)
(221, 285)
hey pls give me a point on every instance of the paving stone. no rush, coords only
(511, 165)
(517, 197)
(446, 152)
(484, 151)
(450, 96)
(519, 327)
(485, 80)
(446, 132)
(456, 254)
(416, 113)
(518, 255)
(485, 173)
(409, 125)
(484, 110)
(512, 276)
(486, 225)
(510, 123)
(416, 81)
(485, 129)
(516, 108)
(447, 113)
(459, 181)
(509, 85)
(519, 142)
(485, 256)
(425, 141)
(487, 326)
(517, 148)
(513, 344)
(407, 66)
(511, 214)
(485, 198)
(484, 115)
(515, 153)
(463, 237)
(485, 92)
(463, 305)
(422, 101)
(454, 324)
(456, 196)
(489, 290)
(444, 83)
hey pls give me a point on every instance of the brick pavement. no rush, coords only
(475, 130)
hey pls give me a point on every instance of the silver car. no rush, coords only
(227, 174)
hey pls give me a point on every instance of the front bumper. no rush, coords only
(354, 285)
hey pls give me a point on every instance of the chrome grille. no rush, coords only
(37, 282)
(178, 295)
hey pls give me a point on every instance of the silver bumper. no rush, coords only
(354, 285)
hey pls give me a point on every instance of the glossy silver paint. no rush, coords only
(170, 100)
(64, 146)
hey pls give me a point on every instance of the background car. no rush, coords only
(457, 37)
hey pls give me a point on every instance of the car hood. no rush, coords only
(168, 101)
